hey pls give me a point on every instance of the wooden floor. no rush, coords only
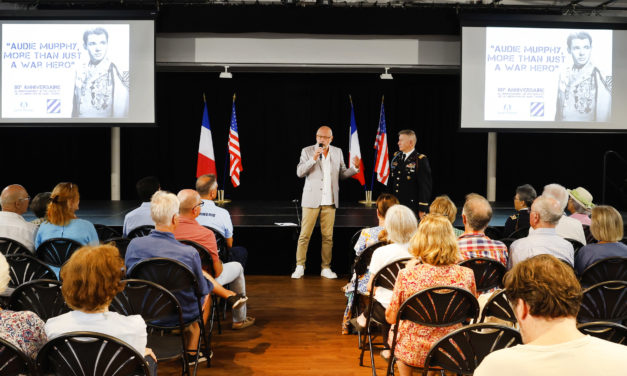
(297, 332)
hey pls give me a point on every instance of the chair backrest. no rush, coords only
(576, 244)
(463, 350)
(42, 296)
(493, 232)
(605, 301)
(24, 268)
(221, 243)
(363, 260)
(10, 246)
(205, 256)
(518, 234)
(488, 272)
(89, 353)
(57, 251)
(609, 331)
(13, 361)
(439, 306)
(121, 243)
(498, 306)
(106, 232)
(608, 269)
(140, 231)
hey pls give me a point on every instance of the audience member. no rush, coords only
(435, 264)
(580, 204)
(545, 214)
(61, 220)
(23, 329)
(400, 225)
(39, 206)
(230, 272)
(476, 216)
(92, 277)
(164, 209)
(525, 194)
(546, 297)
(14, 201)
(444, 206)
(607, 228)
(140, 216)
(218, 218)
(372, 235)
(567, 228)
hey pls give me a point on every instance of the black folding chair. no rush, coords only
(488, 272)
(498, 306)
(88, 354)
(384, 278)
(140, 231)
(42, 296)
(158, 307)
(223, 250)
(605, 301)
(57, 251)
(177, 278)
(438, 306)
(121, 244)
(13, 361)
(464, 349)
(106, 232)
(24, 268)
(608, 269)
(609, 331)
(10, 246)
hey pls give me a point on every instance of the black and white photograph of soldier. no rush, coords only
(584, 92)
(101, 87)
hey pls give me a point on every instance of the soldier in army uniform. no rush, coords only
(410, 176)
(525, 194)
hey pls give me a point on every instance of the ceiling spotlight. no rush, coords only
(226, 73)
(386, 75)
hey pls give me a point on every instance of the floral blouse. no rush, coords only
(414, 341)
(23, 329)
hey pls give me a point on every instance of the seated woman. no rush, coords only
(400, 224)
(91, 279)
(435, 250)
(61, 221)
(368, 237)
(444, 206)
(580, 204)
(606, 227)
(24, 329)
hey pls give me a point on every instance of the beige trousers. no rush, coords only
(327, 220)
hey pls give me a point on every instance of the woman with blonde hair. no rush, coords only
(436, 254)
(444, 206)
(61, 220)
(607, 227)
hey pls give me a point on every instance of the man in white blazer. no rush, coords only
(321, 165)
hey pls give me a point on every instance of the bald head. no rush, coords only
(189, 200)
(477, 211)
(14, 198)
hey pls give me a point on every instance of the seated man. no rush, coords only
(476, 216)
(14, 201)
(218, 218)
(544, 216)
(525, 194)
(146, 187)
(231, 272)
(164, 208)
(567, 228)
(546, 297)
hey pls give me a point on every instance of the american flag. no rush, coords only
(382, 164)
(234, 151)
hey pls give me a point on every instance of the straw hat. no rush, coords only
(582, 196)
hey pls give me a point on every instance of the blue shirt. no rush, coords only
(216, 217)
(539, 242)
(80, 230)
(592, 253)
(138, 217)
(163, 244)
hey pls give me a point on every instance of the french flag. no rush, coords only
(353, 148)
(206, 158)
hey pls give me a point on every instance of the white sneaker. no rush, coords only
(299, 272)
(328, 273)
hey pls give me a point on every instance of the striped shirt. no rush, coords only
(476, 244)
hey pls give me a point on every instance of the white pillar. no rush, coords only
(115, 163)
(491, 194)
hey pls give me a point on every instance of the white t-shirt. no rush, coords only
(582, 357)
(130, 329)
(380, 258)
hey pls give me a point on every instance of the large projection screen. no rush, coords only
(544, 76)
(77, 72)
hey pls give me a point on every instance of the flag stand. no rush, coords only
(221, 200)
(368, 201)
